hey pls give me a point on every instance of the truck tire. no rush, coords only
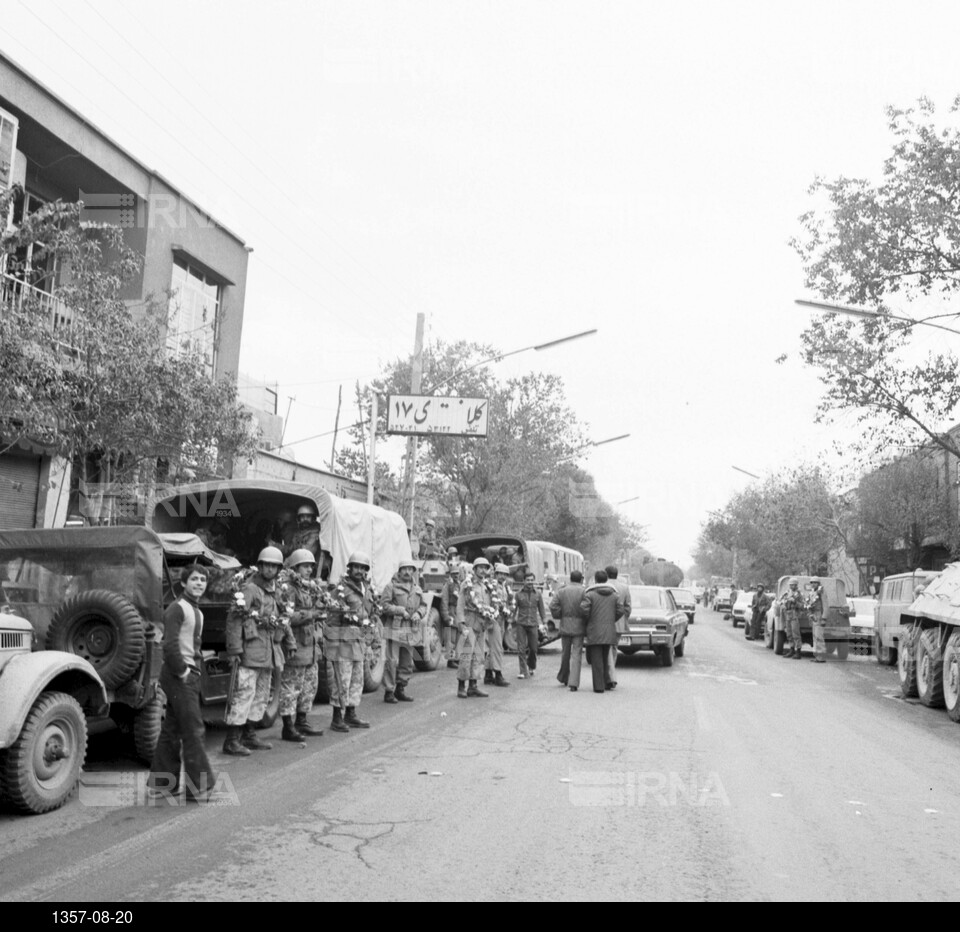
(374, 660)
(427, 657)
(779, 640)
(147, 723)
(886, 656)
(951, 676)
(102, 627)
(843, 650)
(929, 669)
(906, 667)
(40, 769)
(510, 639)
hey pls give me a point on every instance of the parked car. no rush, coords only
(896, 593)
(742, 612)
(723, 603)
(697, 593)
(655, 624)
(686, 601)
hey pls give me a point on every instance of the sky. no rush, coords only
(518, 172)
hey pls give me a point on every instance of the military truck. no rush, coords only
(928, 653)
(46, 698)
(253, 513)
(96, 595)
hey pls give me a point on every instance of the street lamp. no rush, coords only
(875, 315)
(746, 472)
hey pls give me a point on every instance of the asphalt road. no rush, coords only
(733, 775)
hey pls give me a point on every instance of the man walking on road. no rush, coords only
(601, 607)
(626, 607)
(528, 615)
(565, 608)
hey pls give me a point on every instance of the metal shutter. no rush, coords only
(19, 490)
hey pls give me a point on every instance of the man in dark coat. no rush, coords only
(565, 608)
(601, 607)
(626, 607)
(761, 603)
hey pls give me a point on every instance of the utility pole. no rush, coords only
(416, 377)
(372, 458)
(336, 427)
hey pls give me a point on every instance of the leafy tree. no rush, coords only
(878, 246)
(898, 507)
(87, 377)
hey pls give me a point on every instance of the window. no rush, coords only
(194, 311)
(8, 147)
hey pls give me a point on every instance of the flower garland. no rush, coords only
(339, 602)
(489, 612)
(241, 610)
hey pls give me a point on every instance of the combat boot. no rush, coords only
(475, 693)
(232, 744)
(305, 728)
(498, 679)
(461, 689)
(401, 693)
(453, 664)
(353, 720)
(788, 653)
(290, 732)
(250, 740)
(488, 678)
(337, 723)
(390, 698)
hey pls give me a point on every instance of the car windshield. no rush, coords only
(682, 595)
(645, 598)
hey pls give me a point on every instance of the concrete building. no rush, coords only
(54, 152)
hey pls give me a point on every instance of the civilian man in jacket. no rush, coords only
(626, 607)
(180, 682)
(600, 608)
(528, 614)
(565, 608)
(759, 607)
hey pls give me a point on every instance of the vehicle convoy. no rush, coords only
(928, 650)
(249, 514)
(837, 631)
(93, 601)
(655, 624)
(551, 563)
(896, 593)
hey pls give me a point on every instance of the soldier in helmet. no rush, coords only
(815, 608)
(298, 682)
(344, 642)
(494, 663)
(403, 611)
(793, 606)
(476, 614)
(256, 628)
(455, 578)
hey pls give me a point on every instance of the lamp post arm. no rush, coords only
(860, 312)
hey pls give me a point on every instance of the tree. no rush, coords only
(871, 244)
(898, 507)
(84, 376)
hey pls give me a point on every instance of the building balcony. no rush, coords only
(15, 292)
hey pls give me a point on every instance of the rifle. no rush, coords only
(232, 685)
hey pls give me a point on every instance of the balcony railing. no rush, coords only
(15, 291)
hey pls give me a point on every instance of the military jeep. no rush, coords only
(837, 632)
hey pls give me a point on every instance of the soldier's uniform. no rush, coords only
(455, 579)
(476, 613)
(344, 645)
(815, 609)
(792, 605)
(494, 662)
(255, 634)
(300, 677)
(403, 609)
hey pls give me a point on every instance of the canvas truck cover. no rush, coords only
(39, 568)
(940, 599)
(346, 526)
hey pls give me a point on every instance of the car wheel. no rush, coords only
(906, 667)
(681, 646)
(667, 654)
(843, 650)
(887, 656)
(428, 656)
(951, 676)
(929, 669)
(374, 660)
(780, 640)
(40, 769)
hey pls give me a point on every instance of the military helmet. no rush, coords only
(359, 558)
(307, 510)
(502, 568)
(793, 581)
(409, 563)
(452, 551)
(481, 561)
(299, 557)
(430, 523)
(270, 555)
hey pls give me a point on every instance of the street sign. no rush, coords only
(432, 414)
